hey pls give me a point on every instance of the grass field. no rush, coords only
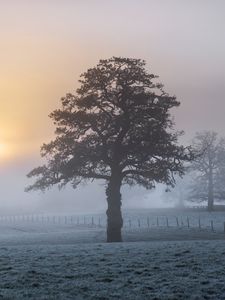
(66, 261)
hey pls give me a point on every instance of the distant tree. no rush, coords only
(117, 127)
(208, 169)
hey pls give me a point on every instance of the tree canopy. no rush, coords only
(116, 127)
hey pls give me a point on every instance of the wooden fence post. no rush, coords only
(188, 223)
(167, 222)
(148, 222)
(212, 226)
(199, 223)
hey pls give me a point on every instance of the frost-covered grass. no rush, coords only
(143, 270)
(56, 261)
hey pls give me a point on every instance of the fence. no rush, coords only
(51, 219)
(216, 225)
(165, 221)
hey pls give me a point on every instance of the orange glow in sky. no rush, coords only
(2, 149)
(46, 45)
(4, 152)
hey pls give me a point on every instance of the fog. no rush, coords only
(61, 244)
(47, 44)
(85, 199)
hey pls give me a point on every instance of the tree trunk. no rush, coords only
(114, 216)
(210, 192)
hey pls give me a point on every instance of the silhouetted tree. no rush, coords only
(117, 127)
(208, 171)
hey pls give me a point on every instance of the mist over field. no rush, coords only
(85, 199)
(125, 101)
(46, 46)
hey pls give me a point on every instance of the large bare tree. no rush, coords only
(117, 128)
(208, 169)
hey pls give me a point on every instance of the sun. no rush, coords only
(3, 150)
(2, 147)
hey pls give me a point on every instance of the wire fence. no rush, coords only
(132, 222)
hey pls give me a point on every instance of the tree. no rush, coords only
(117, 128)
(208, 172)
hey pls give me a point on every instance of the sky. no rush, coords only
(45, 45)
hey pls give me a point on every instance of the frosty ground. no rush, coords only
(73, 262)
